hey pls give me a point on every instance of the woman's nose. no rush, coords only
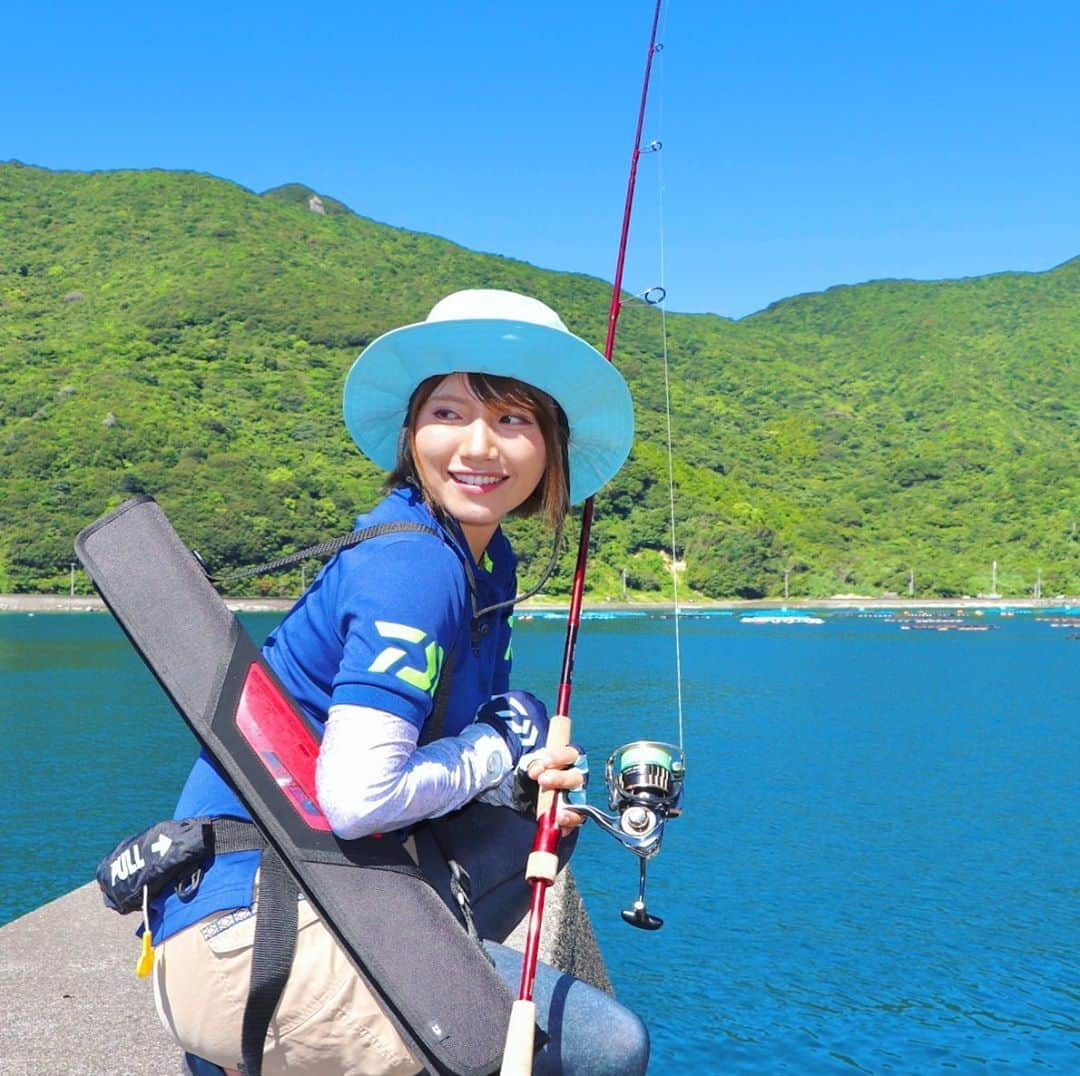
(479, 441)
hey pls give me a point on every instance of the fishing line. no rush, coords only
(667, 398)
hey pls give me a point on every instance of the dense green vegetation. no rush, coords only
(179, 335)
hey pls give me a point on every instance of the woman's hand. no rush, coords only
(521, 719)
(558, 769)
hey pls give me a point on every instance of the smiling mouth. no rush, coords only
(478, 481)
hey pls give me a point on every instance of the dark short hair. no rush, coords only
(552, 493)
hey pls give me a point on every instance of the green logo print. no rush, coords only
(425, 679)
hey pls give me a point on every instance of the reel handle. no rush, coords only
(637, 915)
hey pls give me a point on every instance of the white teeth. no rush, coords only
(477, 479)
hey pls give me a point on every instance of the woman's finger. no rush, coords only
(565, 780)
(552, 758)
(568, 821)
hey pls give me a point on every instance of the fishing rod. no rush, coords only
(645, 777)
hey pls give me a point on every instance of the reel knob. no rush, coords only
(637, 916)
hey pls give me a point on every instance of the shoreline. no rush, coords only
(91, 603)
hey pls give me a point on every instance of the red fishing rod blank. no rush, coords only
(543, 862)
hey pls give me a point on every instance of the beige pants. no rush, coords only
(326, 1024)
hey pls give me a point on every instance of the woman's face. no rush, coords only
(479, 461)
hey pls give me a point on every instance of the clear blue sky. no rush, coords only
(805, 145)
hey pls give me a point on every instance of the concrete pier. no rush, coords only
(70, 1003)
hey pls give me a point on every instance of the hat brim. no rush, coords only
(588, 388)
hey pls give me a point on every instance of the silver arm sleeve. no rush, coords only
(371, 777)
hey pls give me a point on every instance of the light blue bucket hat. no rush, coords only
(487, 331)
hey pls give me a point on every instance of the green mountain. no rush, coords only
(176, 334)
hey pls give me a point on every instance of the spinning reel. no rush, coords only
(645, 783)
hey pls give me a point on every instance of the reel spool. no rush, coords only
(645, 784)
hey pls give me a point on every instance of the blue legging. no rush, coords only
(589, 1032)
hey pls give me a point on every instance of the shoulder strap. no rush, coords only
(323, 549)
(272, 955)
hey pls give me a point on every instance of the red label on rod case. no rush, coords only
(282, 742)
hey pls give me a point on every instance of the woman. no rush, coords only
(399, 653)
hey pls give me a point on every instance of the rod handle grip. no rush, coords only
(518, 1053)
(558, 736)
(541, 867)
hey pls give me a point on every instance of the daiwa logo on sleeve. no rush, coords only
(393, 657)
(521, 722)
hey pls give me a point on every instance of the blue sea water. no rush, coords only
(876, 869)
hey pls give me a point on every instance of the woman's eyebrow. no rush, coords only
(461, 400)
(450, 396)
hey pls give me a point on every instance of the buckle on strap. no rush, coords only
(185, 888)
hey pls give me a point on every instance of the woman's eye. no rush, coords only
(516, 419)
(445, 414)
